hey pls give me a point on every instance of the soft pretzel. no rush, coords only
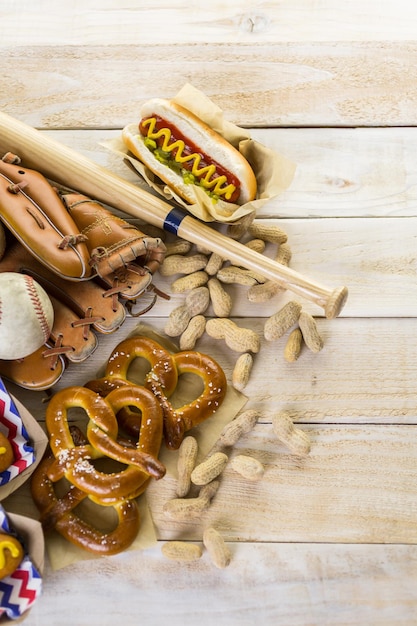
(58, 513)
(75, 461)
(162, 380)
(116, 375)
(179, 420)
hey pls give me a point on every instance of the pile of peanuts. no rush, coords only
(203, 278)
(206, 477)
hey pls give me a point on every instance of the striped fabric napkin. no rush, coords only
(20, 590)
(12, 426)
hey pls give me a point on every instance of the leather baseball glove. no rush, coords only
(121, 255)
(74, 236)
(93, 265)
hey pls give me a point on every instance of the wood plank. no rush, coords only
(294, 584)
(355, 486)
(340, 172)
(278, 84)
(365, 373)
(374, 258)
(172, 22)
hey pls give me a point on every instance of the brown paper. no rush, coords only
(62, 553)
(273, 171)
(31, 531)
(37, 439)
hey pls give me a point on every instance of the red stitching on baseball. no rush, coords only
(37, 305)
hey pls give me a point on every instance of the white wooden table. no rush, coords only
(332, 86)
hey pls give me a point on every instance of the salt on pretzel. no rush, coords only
(58, 513)
(162, 380)
(74, 461)
(116, 374)
(181, 419)
(162, 368)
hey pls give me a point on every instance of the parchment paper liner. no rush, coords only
(31, 532)
(62, 553)
(273, 171)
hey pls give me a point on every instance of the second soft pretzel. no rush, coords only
(162, 380)
(117, 374)
(177, 421)
(75, 462)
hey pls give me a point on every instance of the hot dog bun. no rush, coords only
(219, 158)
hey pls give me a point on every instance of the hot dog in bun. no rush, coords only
(183, 151)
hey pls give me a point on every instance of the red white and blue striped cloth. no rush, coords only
(21, 589)
(12, 426)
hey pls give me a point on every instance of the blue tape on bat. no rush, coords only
(173, 220)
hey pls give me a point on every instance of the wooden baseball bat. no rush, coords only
(67, 167)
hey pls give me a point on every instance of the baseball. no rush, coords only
(26, 315)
